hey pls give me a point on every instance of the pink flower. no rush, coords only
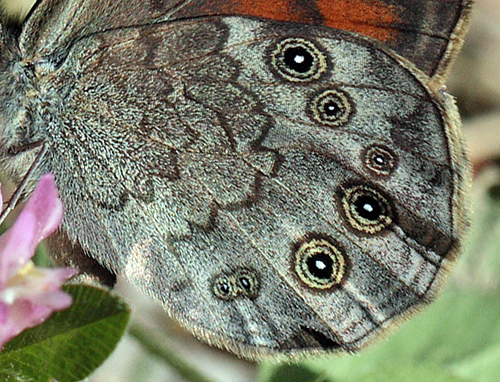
(29, 295)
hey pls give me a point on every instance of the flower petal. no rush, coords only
(46, 206)
(25, 313)
(40, 217)
(40, 283)
(16, 247)
(29, 295)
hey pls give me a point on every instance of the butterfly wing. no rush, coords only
(429, 33)
(279, 187)
(77, 19)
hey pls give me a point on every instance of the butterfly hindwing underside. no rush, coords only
(280, 187)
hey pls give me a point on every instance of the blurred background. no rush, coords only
(456, 339)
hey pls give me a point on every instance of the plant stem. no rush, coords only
(153, 346)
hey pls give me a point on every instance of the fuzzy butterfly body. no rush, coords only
(279, 185)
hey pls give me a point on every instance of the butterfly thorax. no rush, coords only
(21, 108)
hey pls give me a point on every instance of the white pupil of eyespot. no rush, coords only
(299, 59)
(320, 264)
(368, 207)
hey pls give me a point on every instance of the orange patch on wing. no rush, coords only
(371, 18)
(270, 9)
(276, 10)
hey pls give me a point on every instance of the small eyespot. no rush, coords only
(240, 283)
(319, 264)
(366, 209)
(331, 107)
(379, 160)
(224, 288)
(298, 60)
(247, 283)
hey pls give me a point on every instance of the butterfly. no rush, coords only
(285, 177)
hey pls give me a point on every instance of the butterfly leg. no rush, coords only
(18, 193)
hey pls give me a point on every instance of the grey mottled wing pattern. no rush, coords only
(188, 161)
(77, 19)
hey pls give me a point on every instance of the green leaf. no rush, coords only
(483, 367)
(411, 373)
(71, 344)
(295, 373)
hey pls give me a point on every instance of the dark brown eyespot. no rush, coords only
(366, 209)
(298, 60)
(331, 107)
(224, 288)
(240, 283)
(247, 283)
(319, 264)
(379, 160)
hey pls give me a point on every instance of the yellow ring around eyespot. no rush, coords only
(384, 170)
(343, 103)
(319, 65)
(231, 295)
(360, 223)
(316, 246)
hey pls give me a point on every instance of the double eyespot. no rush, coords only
(241, 283)
(366, 209)
(298, 60)
(320, 264)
